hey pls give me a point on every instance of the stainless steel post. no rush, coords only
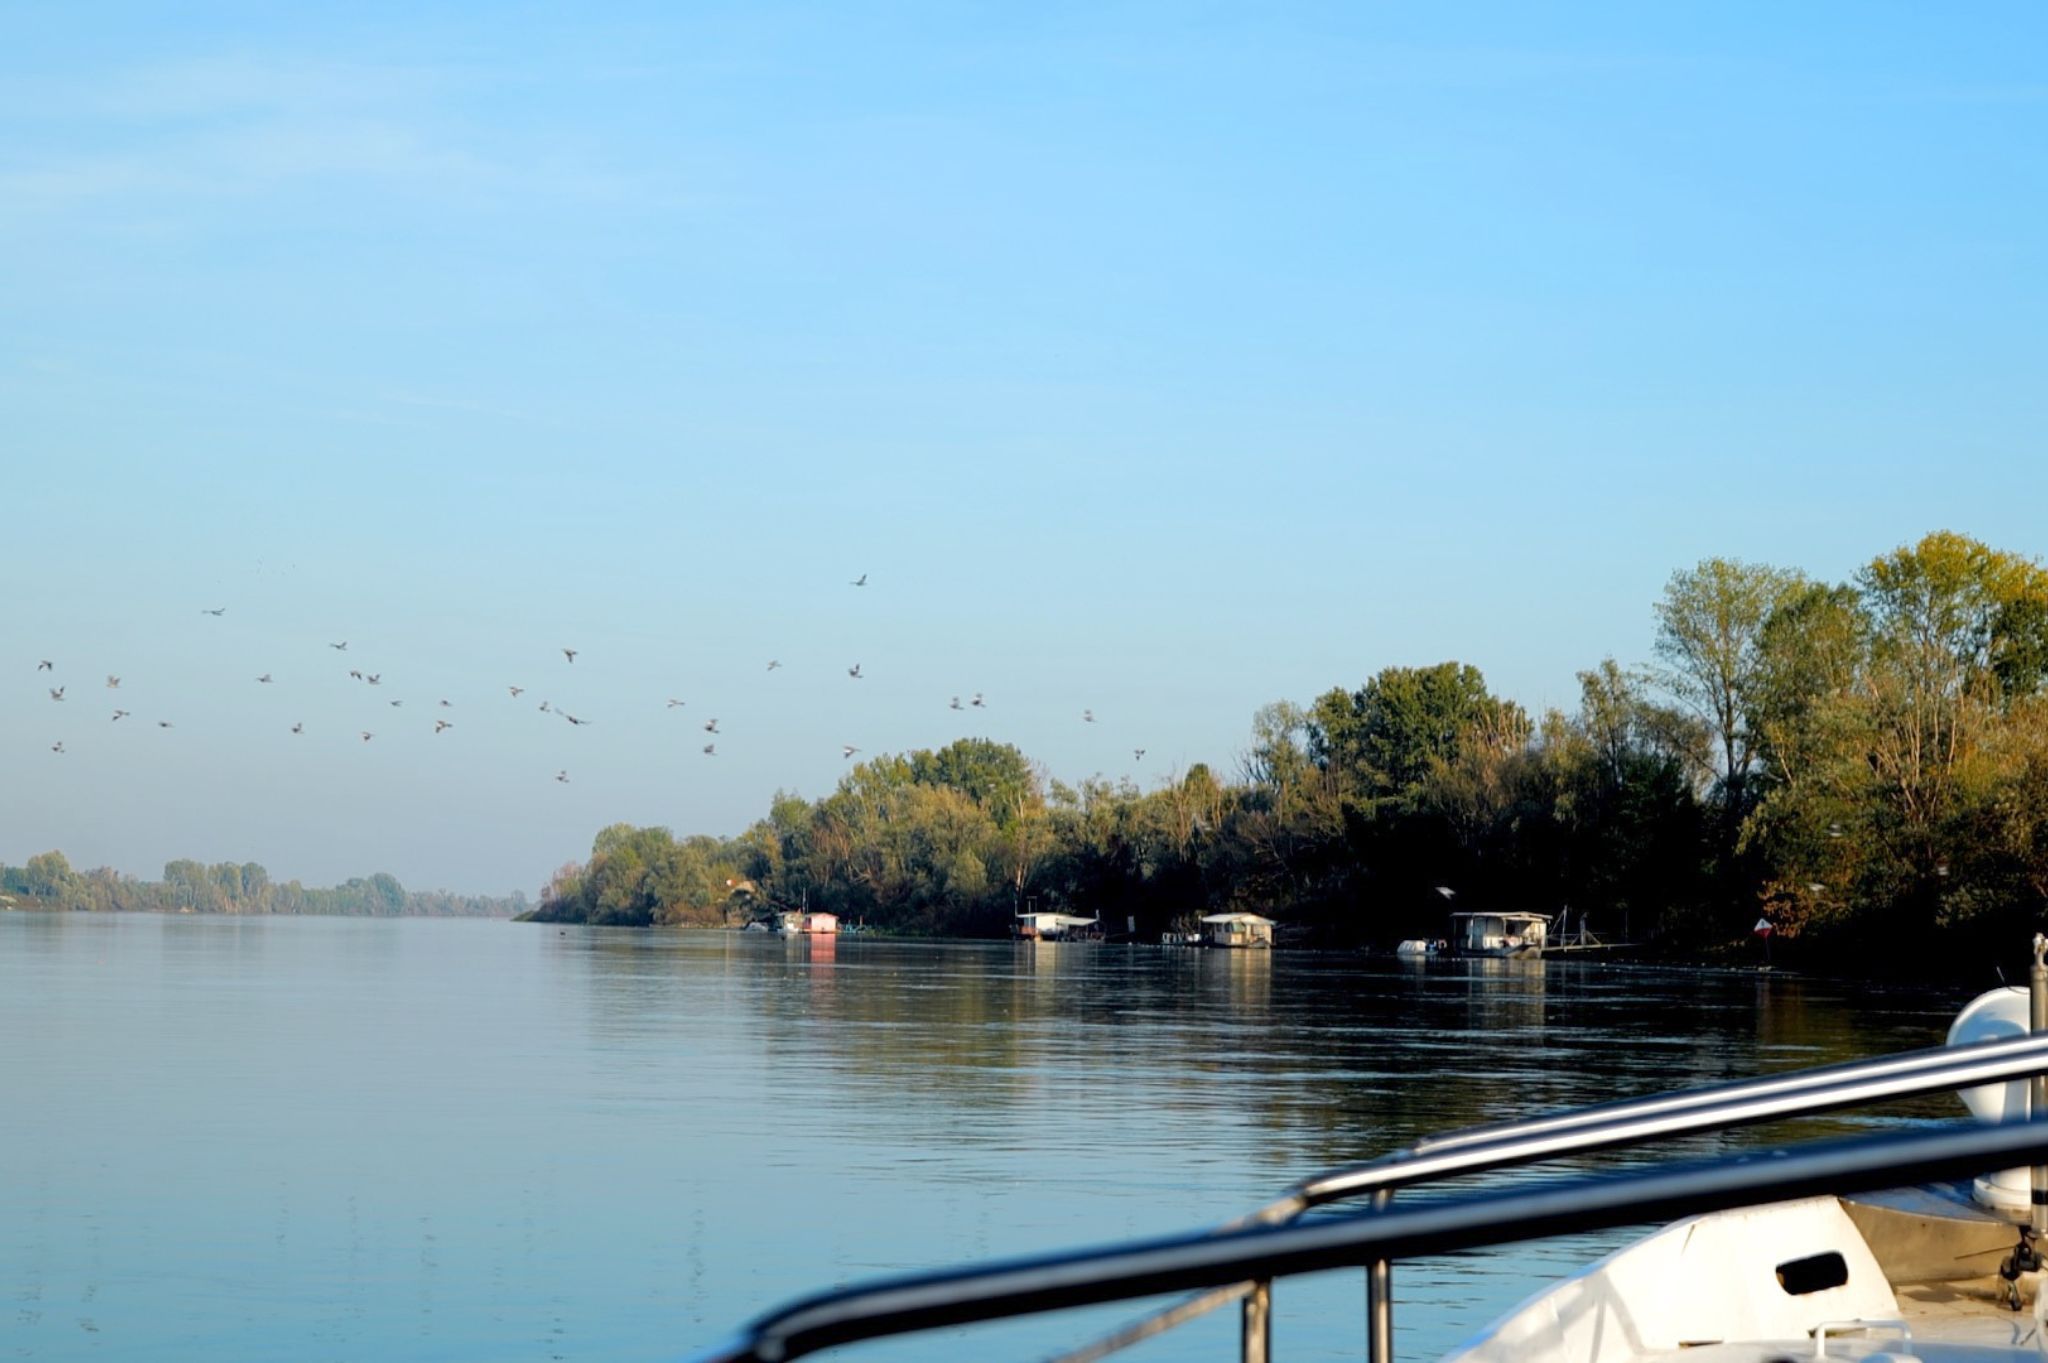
(1258, 1324)
(2037, 998)
(1379, 1299)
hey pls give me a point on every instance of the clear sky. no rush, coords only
(1157, 360)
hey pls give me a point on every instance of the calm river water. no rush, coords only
(240, 1139)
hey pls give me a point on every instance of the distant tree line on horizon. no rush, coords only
(48, 881)
(1864, 763)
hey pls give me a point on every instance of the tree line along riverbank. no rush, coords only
(48, 882)
(1863, 763)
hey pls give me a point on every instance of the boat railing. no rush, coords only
(1239, 1261)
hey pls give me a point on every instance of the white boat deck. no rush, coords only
(1726, 1288)
(1972, 1311)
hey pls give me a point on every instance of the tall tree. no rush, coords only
(1710, 630)
(49, 876)
(1383, 739)
(1942, 656)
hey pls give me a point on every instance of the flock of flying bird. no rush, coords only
(441, 725)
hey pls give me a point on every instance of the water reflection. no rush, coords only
(1504, 995)
(1247, 982)
(416, 1139)
(1331, 1057)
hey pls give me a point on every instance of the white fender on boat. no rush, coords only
(1993, 1016)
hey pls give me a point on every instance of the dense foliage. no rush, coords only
(48, 881)
(1865, 763)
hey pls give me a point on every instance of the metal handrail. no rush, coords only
(1178, 1263)
(1663, 1116)
(1632, 1122)
(1605, 1126)
(1708, 1095)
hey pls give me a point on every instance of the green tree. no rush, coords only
(1383, 739)
(1711, 625)
(48, 875)
(995, 776)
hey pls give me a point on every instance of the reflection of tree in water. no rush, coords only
(1297, 1060)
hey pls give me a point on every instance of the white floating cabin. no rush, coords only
(1053, 927)
(802, 923)
(1499, 934)
(1237, 930)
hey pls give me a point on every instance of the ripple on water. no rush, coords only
(432, 1140)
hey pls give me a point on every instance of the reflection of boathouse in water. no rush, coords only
(1505, 993)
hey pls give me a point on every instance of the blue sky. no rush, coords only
(1159, 360)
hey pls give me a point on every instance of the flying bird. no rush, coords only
(58, 746)
(711, 750)
(570, 654)
(163, 724)
(774, 663)
(396, 703)
(1087, 716)
(674, 704)
(45, 665)
(118, 715)
(977, 702)
(860, 581)
(543, 707)
(563, 777)
(854, 672)
(113, 682)
(206, 610)
(848, 749)
(956, 705)
(367, 735)
(710, 726)
(375, 679)
(571, 718)
(56, 693)
(354, 673)
(341, 647)
(264, 679)
(298, 728)
(516, 691)
(446, 706)
(1137, 754)
(441, 724)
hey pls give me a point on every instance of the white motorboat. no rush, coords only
(1917, 1244)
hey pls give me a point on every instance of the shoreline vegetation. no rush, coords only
(1863, 764)
(48, 883)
